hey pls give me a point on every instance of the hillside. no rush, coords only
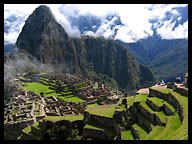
(49, 47)
(160, 115)
(164, 57)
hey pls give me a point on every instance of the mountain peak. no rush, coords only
(42, 10)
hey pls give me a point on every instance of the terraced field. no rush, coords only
(173, 130)
(44, 85)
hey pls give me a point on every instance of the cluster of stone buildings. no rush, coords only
(28, 107)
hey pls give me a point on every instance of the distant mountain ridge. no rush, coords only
(46, 41)
(166, 58)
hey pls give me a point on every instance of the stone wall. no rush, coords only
(143, 121)
(167, 110)
(52, 114)
(181, 91)
(26, 136)
(97, 134)
(40, 117)
(98, 119)
(158, 120)
(145, 112)
(36, 131)
(170, 99)
(134, 132)
(117, 116)
(153, 106)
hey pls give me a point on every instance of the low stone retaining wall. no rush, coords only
(52, 114)
(145, 113)
(40, 117)
(181, 91)
(98, 119)
(134, 132)
(36, 131)
(158, 120)
(18, 125)
(167, 110)
(26, 136)
(117, 116)
(145, 122)
(97, 134)
(153, 106)
(170, 99)
(164, 107)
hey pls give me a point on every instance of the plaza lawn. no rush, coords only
(34, 86)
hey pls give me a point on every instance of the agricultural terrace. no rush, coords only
(48, 87)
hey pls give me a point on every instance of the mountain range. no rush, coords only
(44, 45)
(167, 58)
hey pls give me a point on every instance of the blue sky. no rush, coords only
(136, 20)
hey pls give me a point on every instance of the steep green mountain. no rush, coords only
(166, 58)
(46, 43)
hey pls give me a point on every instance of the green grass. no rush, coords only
(126, 135)
(140, 131)
(173, 130)
(100, 110)
(93, 105)
(82, 87)
(166, 91)
(71, 98)
(160, 102)
(68, 117)
(100, 127)
(162, 116)
(34, 86)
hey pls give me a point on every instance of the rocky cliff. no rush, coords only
(46, 41)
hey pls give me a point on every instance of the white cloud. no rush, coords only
(135, 19)
(166, 31)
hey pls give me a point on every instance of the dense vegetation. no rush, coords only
(166, 58)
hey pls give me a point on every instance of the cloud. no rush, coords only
(167, 32)
(135, 19)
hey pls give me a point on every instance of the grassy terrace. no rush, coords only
(28, 130)
(100, 127)
(126, 135)
(69, 117)
(34, 86)
(173, 130)
(107, 110)
(141, 130)
(160, 102)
